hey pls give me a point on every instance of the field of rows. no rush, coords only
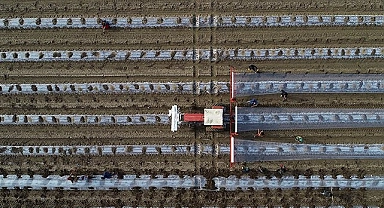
(126, 73)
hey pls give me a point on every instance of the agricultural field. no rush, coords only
(82, 102)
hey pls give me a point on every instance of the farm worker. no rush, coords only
(299, 139)
(107, 175)
(253, 102)
(260, 133)
(104, 25)
(71, 178)
(284, 95)
(253, 68)
(245, 168)
(283, 168)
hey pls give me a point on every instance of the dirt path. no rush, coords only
(285, 37)
(165, 7)
(94, 135)
(312, 66)
(328, 136)
(162, 198)
(159, 104)
(61, 72)
(182, 164)
(91, 39)
(103, 103)
(64, 72)
(181, 38)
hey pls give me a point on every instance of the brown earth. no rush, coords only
(61, 72)
(195, 198)
(54, 8)
(178, 71)
(183, 38)
(102, 104)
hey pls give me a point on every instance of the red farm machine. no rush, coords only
(214, 119)
(217, 118)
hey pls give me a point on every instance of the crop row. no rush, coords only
(138, 119)
(194, 54)
(266, 83)
(213, 87)
(244, 150)
(248, 84)
(307, 118)
(114, 150)
(196, 21)
(128, 182)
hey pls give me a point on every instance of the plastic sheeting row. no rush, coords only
(195, 21)
(248, 84)
(314, 206)
(137, 119)
(288, 182)
(194, 54)
(115, 150)
(231, 183)
(244, 150)
(213, 87)
(297, 53)
(251, 151)
(128, 182)
(251, 119)
(266, 83)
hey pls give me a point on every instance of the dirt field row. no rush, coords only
(181, 164)
(82, 72)
(94, 39)
(104, 135)
(167, 7)
(314, 100)
(323, 136)
(95, 135)
(187, 198)
(182, 38)
(285, 37)
(313, 66)
(122, 103)
(64, 72)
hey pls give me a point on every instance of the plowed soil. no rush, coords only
(168, 7)
(179, 71)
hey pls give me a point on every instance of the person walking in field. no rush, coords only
(260, 133)
(284, 95)
(253, 102)
(253, 68)
(105, 25)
